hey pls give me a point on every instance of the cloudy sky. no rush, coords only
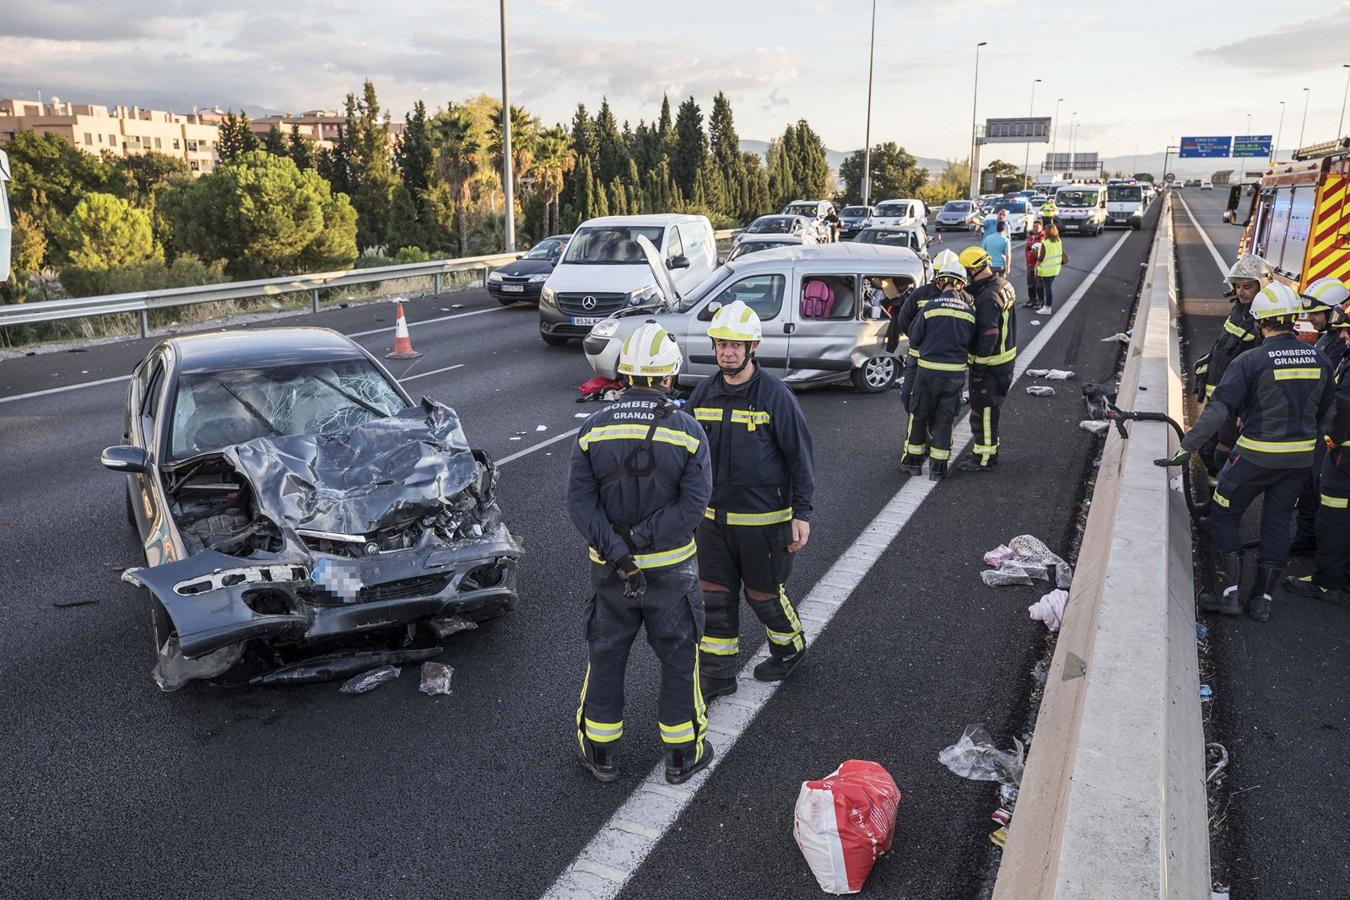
(1137, 74)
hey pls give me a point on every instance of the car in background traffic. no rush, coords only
(954, 214)
(816, 211)
(522, 280)
(1206, 185)
(1125, 205)
(807, 340)
(292, 500)
(851, 219)
(604, 270)
(910, 237)
(1081, 208)
(1192, 182)
(896, 213)
(754, 243)
(779, 225)
(1021, 214)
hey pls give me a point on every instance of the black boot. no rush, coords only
(912, 463)
(1308, 588)
(776, 668)
(716, 687)
(1227, 601)
(682, 763)
(973, 463)
(937, 470)
(1258, 601)
(601, 760)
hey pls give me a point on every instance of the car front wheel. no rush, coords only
(876, 374)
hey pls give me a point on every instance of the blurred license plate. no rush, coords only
(514, 288)
(586, 320)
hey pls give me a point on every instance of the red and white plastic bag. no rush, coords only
(844, 822)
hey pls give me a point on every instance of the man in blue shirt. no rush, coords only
(999, 247)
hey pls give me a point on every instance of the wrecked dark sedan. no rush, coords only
(298, 509)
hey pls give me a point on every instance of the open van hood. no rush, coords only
(659, 272)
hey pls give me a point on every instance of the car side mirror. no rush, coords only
(706, 313)
(721, 260)
(677, 262)
(125, 458)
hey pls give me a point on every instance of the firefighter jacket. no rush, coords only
(907, 309)
(1338, 426)
(943, 334)
(1281, 392)
(762, 459)
(995, 324)
(640, 479)
(1332, 347)
(1239, 334)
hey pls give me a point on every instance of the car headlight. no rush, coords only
(494, 275)
(605, 329)
(537, 279)
(548, 296)
(643, 295)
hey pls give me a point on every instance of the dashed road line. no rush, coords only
(61, 390)
(433, 372)
(623, 843)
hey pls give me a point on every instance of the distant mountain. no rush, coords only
(837, 157)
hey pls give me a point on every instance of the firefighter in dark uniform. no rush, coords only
(943, 335)
(903, 314)
(640, 480)
(991, 362)
(1331, 577)
(1280, 392)
(763, 485)
(1240, 333)
(1322, 301)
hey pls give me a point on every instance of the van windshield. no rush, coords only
(802, 209)
(1076, 198)
(610, 245)
(1124, 193)
(885, 210)
(772, 225)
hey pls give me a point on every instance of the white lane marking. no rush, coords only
(613, 856)
(1218, 260)
(60, 390)
(476, 312)
(89, 384)
(433, 372)
(539, 446)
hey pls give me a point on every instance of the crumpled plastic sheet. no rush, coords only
(436, 678)
(1050, 609)
(1095, 426)
(1051, 374)
(974, 756)
(369, 681)
(1030, 549)
(1009, 573)
(998, 556)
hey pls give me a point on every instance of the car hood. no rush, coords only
(526, 267)
(618, 278)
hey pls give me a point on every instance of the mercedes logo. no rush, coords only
(588, 302)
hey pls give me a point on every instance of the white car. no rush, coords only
(955, 214)
(779, 226)
(897, 213)
(817, 211)
(755, 243)
(1206, 185)
(1021, 215)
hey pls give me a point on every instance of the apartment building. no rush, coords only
(124, 130)
(320, 126)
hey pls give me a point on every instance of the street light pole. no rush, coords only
(1279, 130)
(1073, 131)
(507, 187)
(1248, 132)
(1167, 156)
(1307, 95)
(1026, 157)
(974, 104)
(867, 132)
(1340, 126)
(1054, 134)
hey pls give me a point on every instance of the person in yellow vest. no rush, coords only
(1048, 213)
(1051, 258)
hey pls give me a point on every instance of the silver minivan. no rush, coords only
(821, 307)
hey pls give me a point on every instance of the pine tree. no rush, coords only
(274, 142)
(811, 165)
(611, 158)
(414, 154)
(300, 149)
(235, 137)
(665, 127)
(691, 146)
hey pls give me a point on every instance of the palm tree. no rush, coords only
(524, 141)
(457, 150)
(553, 159)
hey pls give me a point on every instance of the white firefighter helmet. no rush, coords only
(1250, 268)
(1324, 294)
(947, 264)
(650, 351)
(735, 322)
(1276, 300)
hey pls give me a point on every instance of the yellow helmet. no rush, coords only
(1276, 300)
(650, 351)
(974, 258)
(736, 322)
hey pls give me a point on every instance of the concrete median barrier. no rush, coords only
(1112, 803)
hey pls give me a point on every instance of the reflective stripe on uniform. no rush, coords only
(772, 517)
(1220, 499)
(654, 560)
(750, 418)
(913, 352)
(997, 359)
(781, 638)
(1291, 446)
(638, 433)
(1335, 502)
(1298, 374)
(942, 367)
(720, 646)
(1237, 331)
(953, 313)
(798, 642)
(940, 455)
(708, 413)
(682, 733)
(602, 732)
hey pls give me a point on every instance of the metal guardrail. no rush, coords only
(144, 301)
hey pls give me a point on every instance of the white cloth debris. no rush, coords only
(1096, 426)
(1058, 375)
(1050, 609)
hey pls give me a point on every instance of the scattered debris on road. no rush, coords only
(1206, 693)
(67, 604)
(1050, 609)
(436, 678)
(975, 757)
(445, 626)
(1051, 374)
(1024, 559)
(369, 681)
(1123, 337)
(844, 821)
(1095, 426)
(1041, 390)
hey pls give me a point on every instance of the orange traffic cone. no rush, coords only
(403, 348)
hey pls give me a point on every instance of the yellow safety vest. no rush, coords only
(1054, 259)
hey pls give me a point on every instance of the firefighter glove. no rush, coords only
(634, 582)
(1176, 459)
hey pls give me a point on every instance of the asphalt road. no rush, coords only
(115, 789)
(1280, 689)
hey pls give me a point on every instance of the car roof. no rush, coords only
(260, 348)
(830, 253)
(652, 220)
(793, 216)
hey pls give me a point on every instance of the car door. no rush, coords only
(825, 331)
(765, 292)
